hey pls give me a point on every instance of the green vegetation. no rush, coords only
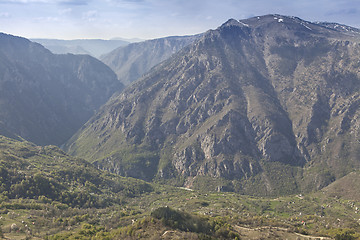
(46, 194)
(133, 161)
(186, 214)
(48, 174)
(180, 220)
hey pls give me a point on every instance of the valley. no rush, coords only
(247, 131)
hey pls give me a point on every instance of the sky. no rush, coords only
(148, 19)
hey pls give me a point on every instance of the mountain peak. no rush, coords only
(233, 22)
(278, 23)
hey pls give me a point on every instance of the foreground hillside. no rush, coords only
(262, 106)
(33, 172)
(45, 98)
(46, 194)
(35, 180)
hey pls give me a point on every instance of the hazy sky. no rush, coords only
(71, 19)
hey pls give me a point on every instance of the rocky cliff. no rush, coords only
(266, 105)
(46, 98)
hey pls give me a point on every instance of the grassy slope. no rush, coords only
(228, 214)
(345, 187)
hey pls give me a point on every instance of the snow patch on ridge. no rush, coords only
(246, 25)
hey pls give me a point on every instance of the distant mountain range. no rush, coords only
(134, 60)
(267, 105)
(93, 47)
(45, 98)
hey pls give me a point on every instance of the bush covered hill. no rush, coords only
(49, 174)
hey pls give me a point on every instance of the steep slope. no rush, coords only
(136, 59)
(267, 105)
(45, 98)
(93, 47)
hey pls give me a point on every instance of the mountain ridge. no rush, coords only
(93, 47)
(136, 59)
(44, 97)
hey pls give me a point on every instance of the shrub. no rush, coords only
(181, 220)
(348, 235)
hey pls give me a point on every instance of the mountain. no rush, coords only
(136, 59)
(130, 40)
(267, 105)
(93, 47)
(46, 98)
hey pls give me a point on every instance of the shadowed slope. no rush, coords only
(45, 98)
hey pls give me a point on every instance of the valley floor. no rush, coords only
(188, 215)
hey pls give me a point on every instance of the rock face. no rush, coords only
(46, 98)
(136, 59)
(266, 105)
